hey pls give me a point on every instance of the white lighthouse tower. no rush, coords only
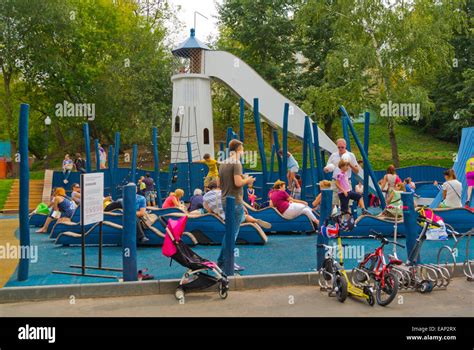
(192, 104)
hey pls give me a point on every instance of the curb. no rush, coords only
(121, 289)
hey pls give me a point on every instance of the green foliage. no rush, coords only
(106, 53)
(5, 186)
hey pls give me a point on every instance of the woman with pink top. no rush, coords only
(289, 207)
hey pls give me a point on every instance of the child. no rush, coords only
(213, 173)
(251, 195)
(345, 192)
(395, 199)
(173, 200)
(67, 167)
(325, 184)
(293, 169)
(296, 193)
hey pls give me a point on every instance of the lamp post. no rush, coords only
(47, 123)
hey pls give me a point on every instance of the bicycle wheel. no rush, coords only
(385, 295)
(340, 286)
(447, 259)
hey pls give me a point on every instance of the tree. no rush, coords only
(377, 53)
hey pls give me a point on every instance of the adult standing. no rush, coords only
(333, 165)
(390, 179)
(231, 182)
(150, 193)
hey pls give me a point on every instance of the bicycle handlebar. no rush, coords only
(431, 222)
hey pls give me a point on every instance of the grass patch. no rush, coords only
(5, 186)
(414, 148)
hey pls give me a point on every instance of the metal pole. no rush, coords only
(411, 226)
(241, 119)
(276, 143)
(156, 158)
(261, 147)
(85, 128)
(305, 159)
(129, 234)
(285, 140)
(134, 163)
(366, 149)
(24, 263)
(317, 150)
(190, 165)
(97, 155)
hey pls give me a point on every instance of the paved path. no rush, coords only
(458, 300)
(7, 239)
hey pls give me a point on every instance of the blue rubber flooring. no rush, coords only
(282, 254)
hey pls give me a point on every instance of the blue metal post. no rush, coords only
(409, 221)
(369, 169)
(190, 165)
(85, 129)
(261, 147)
(311, 158)
(116, 162)
(326, 208)
(276, 143)
(129, 234)
(272, 161)
(156, 161)
(97, 155)
(305, 159)
(229, 236)
(366, 149)
(133, 177)
(222, 151)
(345, 131)
(229, 136)
(24, 264)
(319, 158)
(241, 119)
(111, 171)
(285, 140)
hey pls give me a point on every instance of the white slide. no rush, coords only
(248, 84)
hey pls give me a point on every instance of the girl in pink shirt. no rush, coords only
(344, 189)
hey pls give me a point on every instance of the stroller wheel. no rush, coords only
(223, 290)
(179, 294)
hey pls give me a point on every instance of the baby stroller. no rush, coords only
(201, 273)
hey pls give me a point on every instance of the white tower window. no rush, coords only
(176, 124)
(206, 136)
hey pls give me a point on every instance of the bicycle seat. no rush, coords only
(394, 260)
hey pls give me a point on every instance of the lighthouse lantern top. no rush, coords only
(189, 46)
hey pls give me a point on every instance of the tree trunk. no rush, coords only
(328, 128)
(393, 142)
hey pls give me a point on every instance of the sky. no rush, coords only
(204, 27)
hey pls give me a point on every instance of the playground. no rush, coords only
(112, 231)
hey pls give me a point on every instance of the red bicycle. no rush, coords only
(374, 265)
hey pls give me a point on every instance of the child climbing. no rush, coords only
(213, 173)
(345, 192)
(293, 169)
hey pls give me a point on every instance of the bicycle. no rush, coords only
(334, 278)
(375, 266)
